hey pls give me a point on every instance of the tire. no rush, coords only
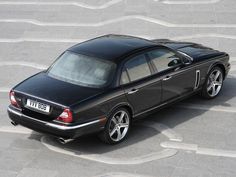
(117, 127)
(213, 83)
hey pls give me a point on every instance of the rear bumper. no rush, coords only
(58, 130)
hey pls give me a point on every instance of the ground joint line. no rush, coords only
(163, 129)
(207, 108)
(120, 174)
(18, 129)
(103, 6)
(23, 63)
(53, 40)
(185, 2)
(117, 20)
(199, 150)
(67, 3)
(208, 35)
(56, 40)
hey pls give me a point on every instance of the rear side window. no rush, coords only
(137, 68)
(164, 59)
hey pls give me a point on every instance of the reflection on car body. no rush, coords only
(103, 84)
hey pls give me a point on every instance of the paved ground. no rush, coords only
(194, 138)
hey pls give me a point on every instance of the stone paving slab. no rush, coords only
(28, 46)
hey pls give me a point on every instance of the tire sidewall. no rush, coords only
(106, 130)
(205, 93)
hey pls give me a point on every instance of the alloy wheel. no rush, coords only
(214, 82)
(119, 125)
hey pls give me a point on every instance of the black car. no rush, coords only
(103, 84)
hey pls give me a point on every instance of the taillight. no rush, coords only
(13, 99)
(66, 116)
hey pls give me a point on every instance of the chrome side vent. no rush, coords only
(197, 81)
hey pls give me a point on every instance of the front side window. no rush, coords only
(164, 59)
(82, 70)
(137, 68)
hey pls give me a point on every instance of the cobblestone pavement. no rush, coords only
(194, 138)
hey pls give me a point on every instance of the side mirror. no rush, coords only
(187, 60)
(174, 62)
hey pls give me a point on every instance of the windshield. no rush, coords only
(82, 70)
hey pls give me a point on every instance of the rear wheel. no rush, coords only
(117, 127)
(213, 84)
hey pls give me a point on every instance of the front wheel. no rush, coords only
(117, 127)
(213, 84)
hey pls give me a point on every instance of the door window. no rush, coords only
(124, 77)
(136, 68)
(164, 59)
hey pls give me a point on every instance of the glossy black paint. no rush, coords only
(91, 104)
(197, 51)
(43, 86)
(111, 47)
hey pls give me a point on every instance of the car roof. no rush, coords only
(111, 47)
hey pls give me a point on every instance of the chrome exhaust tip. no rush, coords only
(64, 141)
(14, 123)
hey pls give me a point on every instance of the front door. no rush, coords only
(177, 79)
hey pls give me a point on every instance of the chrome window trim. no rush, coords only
(186, 55)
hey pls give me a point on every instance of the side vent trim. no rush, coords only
(197, 81)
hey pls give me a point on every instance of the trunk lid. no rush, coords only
(50, 91)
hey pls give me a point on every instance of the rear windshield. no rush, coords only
(82, 70)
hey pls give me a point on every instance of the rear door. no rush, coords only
(142, 89)
(177, 79)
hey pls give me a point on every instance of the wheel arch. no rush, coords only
(220, 65)
(122, 105)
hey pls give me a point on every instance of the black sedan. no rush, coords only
(102, 85)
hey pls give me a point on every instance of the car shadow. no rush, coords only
(168, 116)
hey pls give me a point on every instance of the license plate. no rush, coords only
(38, 106)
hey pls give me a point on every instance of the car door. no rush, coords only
(178, 79)
(142, 89)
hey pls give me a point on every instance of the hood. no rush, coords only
(43, 86)
(196, 51)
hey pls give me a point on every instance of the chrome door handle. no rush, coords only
(167, 78)
(132, 91)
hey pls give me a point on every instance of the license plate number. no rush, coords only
(38, 106)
